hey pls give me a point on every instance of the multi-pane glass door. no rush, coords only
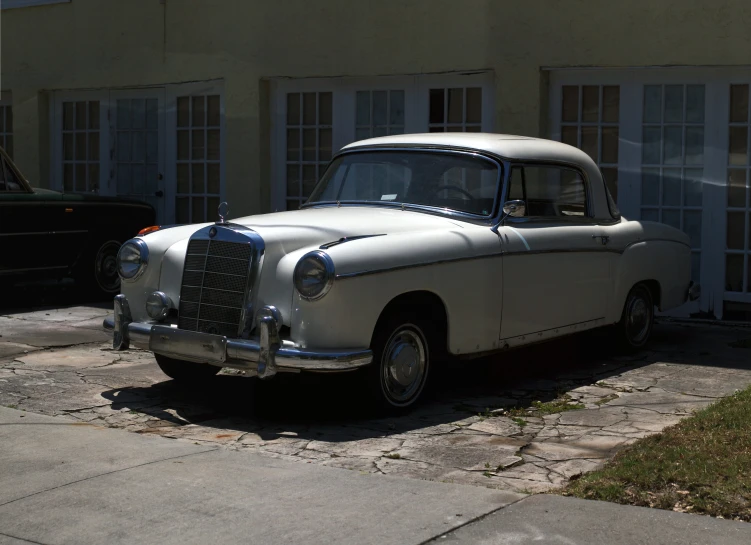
(137, 146)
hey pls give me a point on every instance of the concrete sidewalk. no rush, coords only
(63, 481)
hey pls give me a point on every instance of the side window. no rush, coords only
(516, 185)
(8, 180)
(550, 191)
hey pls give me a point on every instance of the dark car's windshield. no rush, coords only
(462, 182)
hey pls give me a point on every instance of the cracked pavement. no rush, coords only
(490, 422)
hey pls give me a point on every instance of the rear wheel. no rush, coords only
(405, 349)
(185, 371)
(635, 327)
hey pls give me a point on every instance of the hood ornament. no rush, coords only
(223, 211)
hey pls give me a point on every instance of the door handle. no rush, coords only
(604, 238)
(159, 193)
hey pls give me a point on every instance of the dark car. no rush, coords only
(46, 233)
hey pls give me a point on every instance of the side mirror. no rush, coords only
(515, 209)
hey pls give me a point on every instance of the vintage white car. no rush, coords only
(410, 250)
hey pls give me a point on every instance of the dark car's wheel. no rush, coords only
(635, 327)
(96, 271)
(185, 371)
(405, 349)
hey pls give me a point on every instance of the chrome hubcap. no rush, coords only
(404, 365)
(638, 319)
(106, 267)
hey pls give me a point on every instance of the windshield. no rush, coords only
(461, 182)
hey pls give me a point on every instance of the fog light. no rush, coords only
(158, 305)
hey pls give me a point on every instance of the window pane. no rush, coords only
(694, 145)
(93, 146)
(737, 188)
(197, 185)
(362, 134)
(309, 145)
(183, 113)
(138, 176)
(692, 226)
(738, 145)
(324, 144)
(436, 106)
(183, 145)
(68, 116)
(93, 115)
(610, 144)
(152, 113)
(138, 113)
(309, 108)
(325, 111)
(182, 214)
(736, 230)
(570, 135)
(650, 186)
(611, 181)
(696, 266)
(81, 115)
(673, 104)
(197, 144)
(152, 147)
(474, 105)
(293, 108)
(671, 187)
(138, 150)
(570, 109)
(68, 146)
(695, 103)
(80, 183)
(611, 103)
(692, 187)
(212, 178)
(652, 103)
(672, 218)
(214, 110)
(590, 103)
(739, 103)
(309, 180)
(293, 180)
(293, 144)
(212, 145)
(212, 207)
(396, 111)
(734, 273)
(672, 146)
(183, 178)
(589, 142)
(380, 106)
(362, 108)
(80, 146)
(651, 146)
(456, 106)
(68, 177)
(197, 214)
(650, 214)
(198, 115)
(123, 146)
(553, 191)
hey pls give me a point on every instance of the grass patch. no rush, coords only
(558, 405)
(701, 465)
(519, 421)
(393, 456)
(606, 399)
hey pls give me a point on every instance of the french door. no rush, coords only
(680, 156)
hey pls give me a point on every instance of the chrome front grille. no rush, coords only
(213, 290)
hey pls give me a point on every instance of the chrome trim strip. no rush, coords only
(415, 265)
(347, 239)
(76, 232)
(55, 267)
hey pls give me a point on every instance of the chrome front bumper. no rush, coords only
(265, 356)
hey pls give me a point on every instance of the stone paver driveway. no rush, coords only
(485, 422)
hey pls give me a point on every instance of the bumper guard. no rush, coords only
(264, 357)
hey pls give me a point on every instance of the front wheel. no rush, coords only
(96, 273)
(635, 327)
(185, 371)
(405, 348)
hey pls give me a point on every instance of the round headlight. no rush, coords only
(132, 259)
(314, 274)
(158, 305)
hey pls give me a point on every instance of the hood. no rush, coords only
(315, 226)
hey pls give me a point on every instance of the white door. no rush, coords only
(555, 268)
(137, 136)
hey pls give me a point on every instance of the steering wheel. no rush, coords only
(455, 188)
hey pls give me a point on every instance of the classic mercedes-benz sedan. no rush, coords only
(410, 250)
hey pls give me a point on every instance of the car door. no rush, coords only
(556, 270)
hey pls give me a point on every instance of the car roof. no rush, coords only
(508, 146)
